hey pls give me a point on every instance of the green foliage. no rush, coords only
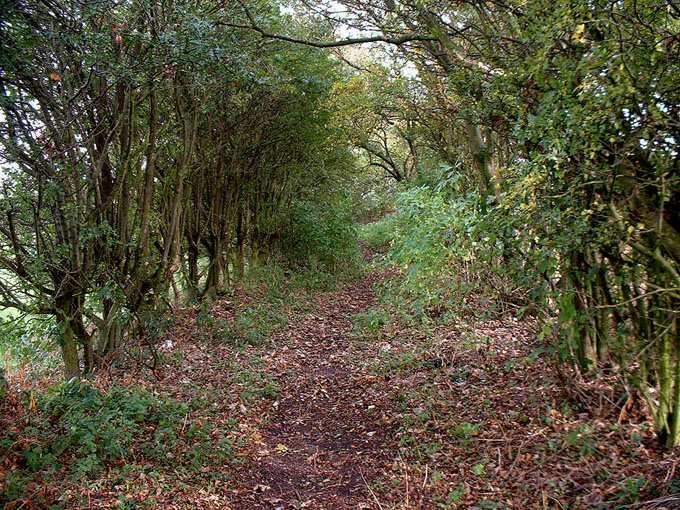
(378, 235)
(399, 362)
(270, 278)
(258, 386)
(214, 329)
(254, 324)
(560, 193)
(465, 430)
(592, 199)
(322, 236)
(631, 489)
(271, 289)
(454, 497)
(538, 172)
(449, 253)
(29, 342)
(580, 440)
(319, 279)
(479, 469)
(426, 232)
(81, 430)
(211, 148)
(369, 324)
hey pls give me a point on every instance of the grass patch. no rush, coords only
(368, 325)
(378, 235)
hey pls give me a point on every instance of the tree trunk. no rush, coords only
(69, 343)
(674, 436)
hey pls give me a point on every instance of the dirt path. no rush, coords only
(326, 436)
(465, 415)
(468, 415)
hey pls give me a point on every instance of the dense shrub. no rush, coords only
(450, 254)
(29, 342)
(322, 235)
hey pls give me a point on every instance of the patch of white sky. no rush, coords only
(5, 166)
(345, 27)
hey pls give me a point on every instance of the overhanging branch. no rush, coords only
(403, 39)
(397, 41)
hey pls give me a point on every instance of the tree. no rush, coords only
(140, 138)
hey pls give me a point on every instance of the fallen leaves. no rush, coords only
(464, 417)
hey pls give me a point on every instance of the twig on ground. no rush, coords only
(375, 498)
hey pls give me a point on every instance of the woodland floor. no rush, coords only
(328, 417)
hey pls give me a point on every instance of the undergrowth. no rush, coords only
(379, 235)
(29, 342)
(268, 293)
(448, 255)
(76, 432)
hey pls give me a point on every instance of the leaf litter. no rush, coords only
(470, 415)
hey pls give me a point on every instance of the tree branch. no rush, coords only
(397, 41)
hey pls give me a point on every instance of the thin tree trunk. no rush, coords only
(69, 343)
